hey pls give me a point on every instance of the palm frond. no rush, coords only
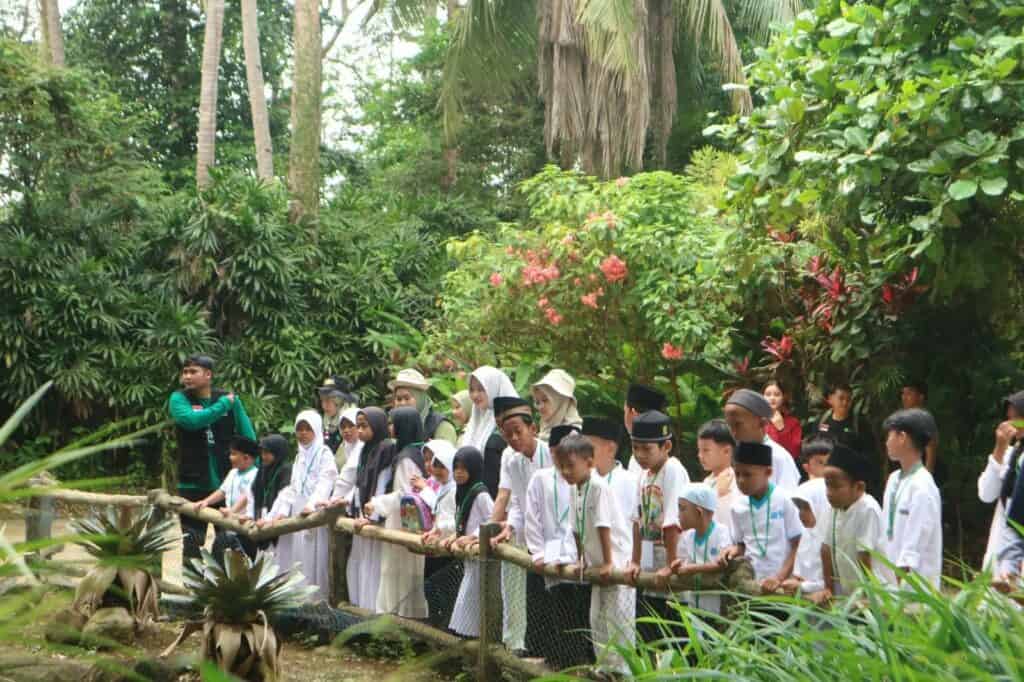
(760, 16)
(708, 21)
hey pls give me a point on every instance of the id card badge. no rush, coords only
(647, 555)
(552, 551)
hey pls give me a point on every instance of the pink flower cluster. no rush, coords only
(496, 279)
(553, 317)
(670, 352)
(590, 300)
(536, 274)
(614, 269)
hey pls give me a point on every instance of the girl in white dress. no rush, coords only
(372, 477)
(401, 573)
(473, 506)
(313, 474)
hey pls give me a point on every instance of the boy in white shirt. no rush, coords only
(765, 523)
(702, 542)
(715, 446)
(640, 399)
(524, 455)
(550, 540)
(852, 526)
(236, 494)
(603, 535)
(747, 413)
(604, 435)
(912, 506)
(656, 517)
(812, 503)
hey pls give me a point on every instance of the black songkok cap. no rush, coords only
(246, 445)
(651, 427)
(644, 398)
(561, 431)
(852, 462)
(757, 454)
(199, 360)
(601, 427)
(511, 406)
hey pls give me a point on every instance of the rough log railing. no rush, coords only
(736, 579)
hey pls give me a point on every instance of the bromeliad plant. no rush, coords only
(128, 547)
(238, 599)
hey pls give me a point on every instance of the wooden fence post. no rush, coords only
(490, 585)
(39, 523)
(337, 553)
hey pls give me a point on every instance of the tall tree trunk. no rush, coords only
(304, 160)
(450, 150)
(257, 91)
(206, 138)
(175, 74)
(49, 29)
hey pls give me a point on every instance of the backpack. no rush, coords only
(415, 514)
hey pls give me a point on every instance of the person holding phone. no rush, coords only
(997, 482)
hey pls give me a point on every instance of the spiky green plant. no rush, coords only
(128, 546)
(237, 599)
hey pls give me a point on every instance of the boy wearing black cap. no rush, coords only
(852, 524)
(640, 399)
(524, 455)
(656, 518)
(747, 413)
(765, 522)
(604, 434)
(912, 506)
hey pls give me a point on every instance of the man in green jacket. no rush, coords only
(206, 419)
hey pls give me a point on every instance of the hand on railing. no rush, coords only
(504, 536)
(679, 567)
(309, 509)
(359, 523)
(632, 571)
(663, 574)
(431, 537)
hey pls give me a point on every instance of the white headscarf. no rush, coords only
(481, 422)
(559, 387)
(351, 449)
(443, 451)
(308, 453)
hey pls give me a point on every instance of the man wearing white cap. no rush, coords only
(701, 543)
(747, 412)
(411, 389)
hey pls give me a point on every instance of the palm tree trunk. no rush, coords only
(257, 92)
(450, 150)
(49, 28)
(304, 159)
(206, 138)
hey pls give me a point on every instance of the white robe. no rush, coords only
(401, 572)
(364, 561)
(466, 614)
(312, 480)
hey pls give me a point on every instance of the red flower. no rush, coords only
(741, 367)
(542, 302)
(614, 269)
(553, 317)
(781, 350)
(496, 279)
(670, 352)
(590, 300)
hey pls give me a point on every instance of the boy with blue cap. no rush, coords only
(702, 541)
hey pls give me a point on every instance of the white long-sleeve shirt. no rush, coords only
(516, 470)
(548, 530)
(990, 484)
(912, 522)
(785, 475)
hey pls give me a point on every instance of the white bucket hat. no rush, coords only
(559, 381)
(409, 378)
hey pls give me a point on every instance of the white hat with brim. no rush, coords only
(559, 381)
(409, 378)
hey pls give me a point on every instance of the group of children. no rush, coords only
(557, 489)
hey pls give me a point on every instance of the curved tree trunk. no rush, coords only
(304, 159)
(257, 91)
(206, 139)
(49, 29)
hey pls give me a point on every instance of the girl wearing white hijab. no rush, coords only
(485, 384)
(554, 398)
(313, 475)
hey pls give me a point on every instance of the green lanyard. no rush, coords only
(835, 548)
(609, 476)
(762, 546)
(554, 486)
(581, 521)
(707, 542)
(895, 497)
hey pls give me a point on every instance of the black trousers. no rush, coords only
(193, 530)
